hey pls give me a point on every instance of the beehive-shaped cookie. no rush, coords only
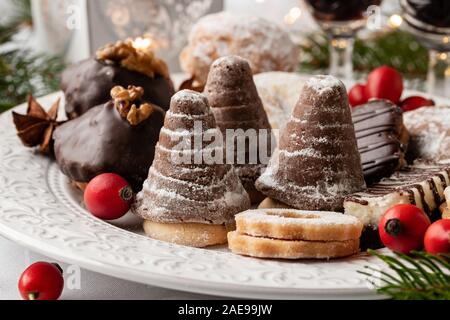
(183, 187)
(236, 105)
(317, 163)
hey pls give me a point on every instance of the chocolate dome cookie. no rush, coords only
(119, 137)
(236, 106)
(187, 199)
(87, 84)
(317, 162)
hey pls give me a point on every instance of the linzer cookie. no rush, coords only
(317, 163)
(236, 105)
(119, 137)
(382, 138)
(186, 200)
(295, 234)
(421, 184)
(289, 224)
(430, 133)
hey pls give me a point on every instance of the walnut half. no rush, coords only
(141, 60)
(124, 102)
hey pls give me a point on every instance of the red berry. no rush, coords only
(384, 83)
(41, 281)
(357, 95)
(415, 102)
(108, 196)
(437, 237)
(403, 227)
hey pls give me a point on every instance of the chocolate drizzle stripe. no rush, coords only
(371, 114)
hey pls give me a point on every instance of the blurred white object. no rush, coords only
(77, 28)
(293, 15)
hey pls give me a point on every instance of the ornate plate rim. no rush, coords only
(22, 233)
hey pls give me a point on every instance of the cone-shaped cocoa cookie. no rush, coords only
(190, 196)
(236, 105)
(317, 162)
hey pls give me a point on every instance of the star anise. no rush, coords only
(37, 126)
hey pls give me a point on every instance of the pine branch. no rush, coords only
(418, 276)
(394, 48)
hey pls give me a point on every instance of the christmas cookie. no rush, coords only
(267, 46)
(288, 249)
(269, 203)
(294, 234)
(288, 224)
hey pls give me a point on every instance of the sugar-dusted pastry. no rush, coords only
(118, 137)
(295, 234)
(430, 133)
(382, 138)
(421, 184)
(87, 84)
(279, 93)
(265, 44)
(236, 106)
(317, 163)
(188, 199)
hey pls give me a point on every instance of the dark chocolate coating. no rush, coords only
(370, 238)
(88, 84)
(378, 127)
(101, 141)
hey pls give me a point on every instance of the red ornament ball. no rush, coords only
(357, 95)
(402, 228)
(384, 83)
(41, 281)
(108, 196)
(415, 102)
(437, 237)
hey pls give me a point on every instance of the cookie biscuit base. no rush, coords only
(188, 234)
(269, 203)
(283, 249)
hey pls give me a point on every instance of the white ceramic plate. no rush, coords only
(40, 210)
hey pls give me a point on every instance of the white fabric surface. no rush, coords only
(93, 286)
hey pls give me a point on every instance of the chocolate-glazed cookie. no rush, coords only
(382, 138)
(317, 162)
(87, 84)
(236, 106)
(119, 137)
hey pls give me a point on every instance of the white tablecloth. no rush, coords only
(14, 259)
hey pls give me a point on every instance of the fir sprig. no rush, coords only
(21, 70)
(419, 276)
(394, 48)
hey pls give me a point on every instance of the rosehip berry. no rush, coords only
(41, 281)
(437, 237)
(357, 95)
(402, 228)
(415, 102)
(384, 83)
(108, 196)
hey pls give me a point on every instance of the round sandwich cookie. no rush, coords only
(289, 224)
(285, 249)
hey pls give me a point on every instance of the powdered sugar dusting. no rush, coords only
(323, 83)
(191, 97)
(430, 132)
(297, 217)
